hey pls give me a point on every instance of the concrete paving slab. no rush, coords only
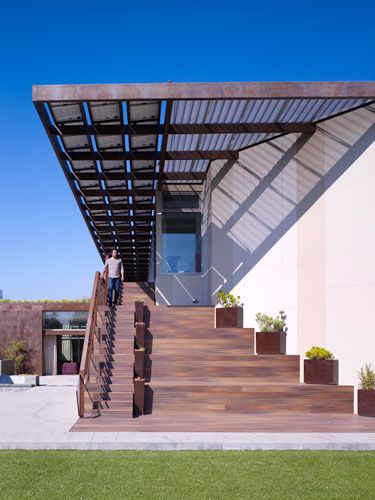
(39, 418)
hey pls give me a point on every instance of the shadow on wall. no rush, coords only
(252, 202)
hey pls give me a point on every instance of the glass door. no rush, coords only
(69, 350)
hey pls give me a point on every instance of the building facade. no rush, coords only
(288, 226)
(53, 333)
(259, 189)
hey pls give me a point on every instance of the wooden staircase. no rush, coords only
(113, 386)
(199, 377)
(117, 372)
(196, 368)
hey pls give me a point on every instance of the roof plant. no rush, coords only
(366, 378)
(318, 353)
(228, 299)
(44, 301)
(271, 324)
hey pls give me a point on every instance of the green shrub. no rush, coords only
(44, 301)
(318, 353)
(366, 378)
(270, 324)
(18, 352)
(228, 299)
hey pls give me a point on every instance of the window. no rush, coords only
(64, 320)
(180, 201)
(69, 350)
(181, 242)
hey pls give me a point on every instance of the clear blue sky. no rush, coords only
(45, 247)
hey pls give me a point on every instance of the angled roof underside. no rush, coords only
(118, 144)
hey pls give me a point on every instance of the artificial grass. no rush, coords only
(186, 474)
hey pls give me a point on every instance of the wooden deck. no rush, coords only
(261, 422)
(205, 379)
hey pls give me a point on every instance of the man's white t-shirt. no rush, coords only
(115, 267)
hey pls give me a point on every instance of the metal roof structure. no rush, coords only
(118, 144)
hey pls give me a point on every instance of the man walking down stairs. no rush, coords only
(115, 276)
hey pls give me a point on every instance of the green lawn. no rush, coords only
(192, 475)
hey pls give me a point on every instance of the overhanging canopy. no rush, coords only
(117, 144)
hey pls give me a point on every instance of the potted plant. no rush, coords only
(366, 392)
(320, 367)
(271, 339)
(139, 395)
(139, 361)
(230, 314)
(18, 352)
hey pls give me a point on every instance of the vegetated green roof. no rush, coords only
(43, 301)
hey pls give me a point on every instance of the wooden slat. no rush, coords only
(183, 128)
(148, 155)
(136, 176)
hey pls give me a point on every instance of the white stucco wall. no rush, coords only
(350, 266)
(290, 226)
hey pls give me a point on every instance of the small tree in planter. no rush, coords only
(320, 367)
(271, 339)
(18, 352)
(230, 314)
(366, 392)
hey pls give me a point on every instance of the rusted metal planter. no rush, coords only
(139, 362)
(138, 316)
(271, 342)
(7, 367)
(321, 371)
(229, 317)
(139, 396)
(139, 335)
(366, 403)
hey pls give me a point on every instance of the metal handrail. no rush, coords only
(98, 298)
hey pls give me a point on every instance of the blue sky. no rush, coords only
(45, 248)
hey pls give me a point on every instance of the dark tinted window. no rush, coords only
(181, 201)
(181, 243)
(64, 320)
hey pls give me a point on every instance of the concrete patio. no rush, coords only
(40, 418)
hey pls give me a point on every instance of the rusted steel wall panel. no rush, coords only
(23, 321)
(211, 90)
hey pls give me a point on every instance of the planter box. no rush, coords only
(139, 396)
(139, 311)
(270, 342)
(7, 367)
(140, 335)
(69, 369)
(229, 317)
(23, 379)
(366, 403)
(321, 371)
(139, 363)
